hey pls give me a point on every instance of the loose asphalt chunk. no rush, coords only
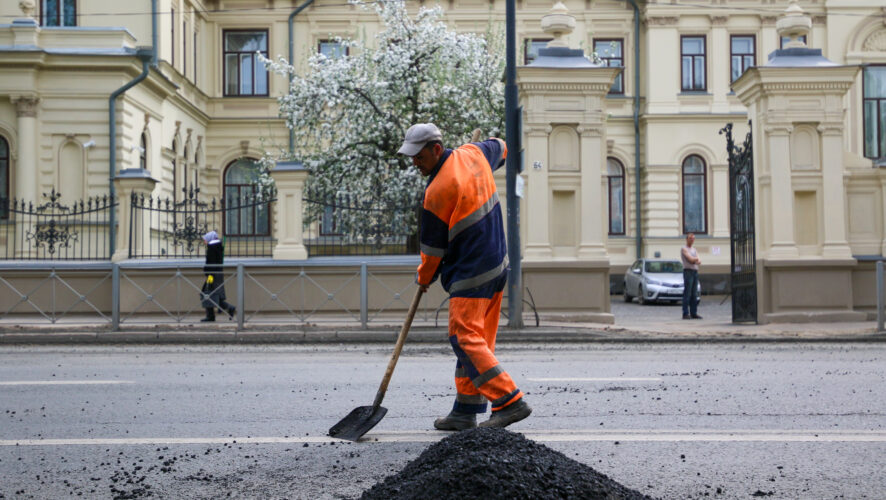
(496, 463)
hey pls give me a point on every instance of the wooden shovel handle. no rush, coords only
(401, 339)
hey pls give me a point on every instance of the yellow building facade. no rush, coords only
(207, 103)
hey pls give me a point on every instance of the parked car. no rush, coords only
(655, 280)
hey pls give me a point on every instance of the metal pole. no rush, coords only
(515, 287)
(880, 316)
(364, 295)
(115, 297)
(294, 13)
(241, 298)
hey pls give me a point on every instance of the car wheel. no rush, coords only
(628, 297)
(642, 297)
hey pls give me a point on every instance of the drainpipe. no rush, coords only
(291, 63)
(638, 219)
(148, 57)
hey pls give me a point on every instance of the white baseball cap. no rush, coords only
(417, 136)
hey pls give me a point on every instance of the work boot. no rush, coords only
(514, 412)
(231, 312)
(456, 421)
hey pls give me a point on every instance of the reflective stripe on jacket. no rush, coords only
(462, 232)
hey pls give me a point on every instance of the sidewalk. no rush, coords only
(424, 331)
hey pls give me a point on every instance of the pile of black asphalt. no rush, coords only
(496, 463)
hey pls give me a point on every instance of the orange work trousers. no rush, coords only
(473, 325)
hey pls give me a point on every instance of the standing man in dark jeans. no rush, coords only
(690, 259)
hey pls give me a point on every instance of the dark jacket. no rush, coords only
(214, 294)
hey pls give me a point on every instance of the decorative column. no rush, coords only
(836, 243)
(289, 177)
(538, 242)
(720, 79)
(778, 140)
(26, 166)
(133, 228)
(592, 143)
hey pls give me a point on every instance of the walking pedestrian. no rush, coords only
(213, 292)
(463, 243)
(689, 256)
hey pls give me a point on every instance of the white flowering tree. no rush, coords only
(349, 114)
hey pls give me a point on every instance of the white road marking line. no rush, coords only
(65, 382)
(596, 379)
(549, 436)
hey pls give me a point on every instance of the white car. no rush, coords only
(655, 280)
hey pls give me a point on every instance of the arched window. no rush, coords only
(4, 178)
(143, 152)
(694, 195)
(251, 218)
(616, 174)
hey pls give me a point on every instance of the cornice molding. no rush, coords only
(662, 20)
(793, 87)
(566, 87)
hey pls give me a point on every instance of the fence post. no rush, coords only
(289, 178)
(115, 297)
(241, 287)
(128, 182)
(364, 295)
(880, 316)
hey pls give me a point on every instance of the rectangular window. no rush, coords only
(531, 46)
(172, 38)
(742, 54)
(874, 102)
(611, 51)
(785, 39)
(58, 12)
(692, 54)
(331, 49)
(244, 74)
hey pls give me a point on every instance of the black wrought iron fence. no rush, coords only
(55, 229)
(164, 228)
(360, 227)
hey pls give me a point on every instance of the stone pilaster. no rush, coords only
(538, 243)
(592, 144)
(26, 166)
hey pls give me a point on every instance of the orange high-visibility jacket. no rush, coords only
(462, 232)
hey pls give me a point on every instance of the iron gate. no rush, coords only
(743, 270)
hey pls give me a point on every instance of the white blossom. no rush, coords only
(350, 114)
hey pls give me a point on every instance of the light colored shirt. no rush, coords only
(691, 252)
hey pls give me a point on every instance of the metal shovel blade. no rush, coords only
(358, 422)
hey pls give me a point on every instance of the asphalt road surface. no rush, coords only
(678, 421)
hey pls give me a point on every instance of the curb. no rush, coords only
(419, 336)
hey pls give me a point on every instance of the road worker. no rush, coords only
(463, 243)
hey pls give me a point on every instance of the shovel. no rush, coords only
(364, 418)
